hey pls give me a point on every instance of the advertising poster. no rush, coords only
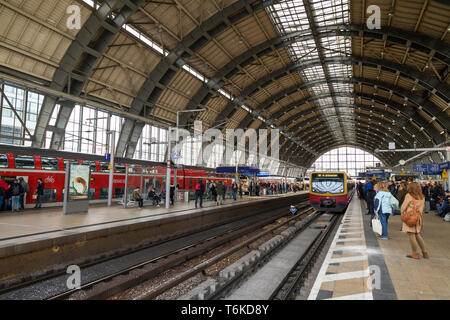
(79, 182)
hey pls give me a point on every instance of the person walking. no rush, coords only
(220, 192)
(16, 191)
(234, 190)
(199, 190)
(383, 207)
(25, 189)
(136, 196)
(415, 200)
(39, 193)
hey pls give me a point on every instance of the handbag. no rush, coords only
(410, 217)
(376, 226)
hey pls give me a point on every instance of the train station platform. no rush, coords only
(358, 266)
(34, 236)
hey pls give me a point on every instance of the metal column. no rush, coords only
(111, 171)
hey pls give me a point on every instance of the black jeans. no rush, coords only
(197, 197)
(140, 202)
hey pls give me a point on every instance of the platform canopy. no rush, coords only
(309, 68)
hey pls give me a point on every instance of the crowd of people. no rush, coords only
(13, 194)
(389, 198)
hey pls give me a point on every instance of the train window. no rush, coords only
(191, 182)
(103, 193)
(104, 166)
(144, 169)
(132, 168)
(91, 193)
(3, 161)
(120, 168)
(49, 164)
(49, 195)
(118, 193)
(23, 162)
(91, 165)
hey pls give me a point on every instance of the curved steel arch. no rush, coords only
(423, 104)
(132, 131)
(381, 156)
(204, 94)
(298, 120)
(330, 144)
(168, 67)
(326, 148)
(79, 60)
(369, 141)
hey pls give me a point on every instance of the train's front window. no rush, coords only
(327, 183)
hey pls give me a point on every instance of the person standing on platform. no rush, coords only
(371, 194)
(220, 191)
(214, 191)
(26, 189)
(224, 191)
(257, 189)
(367, 187)
(383, 207)
(426, 194)
(391, 188)
(415, 200)
(234, 190)
(136, 196)
(240, 190)
(172, 194)
(3, 191)
(199, 190)
(16, 191)
(39, 193)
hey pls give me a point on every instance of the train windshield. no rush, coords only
(327, 183)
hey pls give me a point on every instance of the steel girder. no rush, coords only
(427, 106)
(78, 62)
(374, 128)
(379, 113)
(418, 42)
(168, 67)
(405, 112)
(430, 83)
(208, 90)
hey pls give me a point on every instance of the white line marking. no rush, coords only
(362, 257)
(350, 239)
(358, 296)
(346, 275)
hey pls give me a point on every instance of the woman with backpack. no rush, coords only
(383, 207)
(412, 209)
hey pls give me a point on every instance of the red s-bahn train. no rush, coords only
(330, 191)
(49, 165)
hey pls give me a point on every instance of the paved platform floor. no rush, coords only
(357, 256)
(33, 224)
(424, 279)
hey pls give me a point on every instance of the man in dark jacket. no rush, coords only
(40, 194)
(172, 194)
(25, 189)
(16, 191)
(391, 188)
(199, 190)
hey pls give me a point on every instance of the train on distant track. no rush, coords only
(49, 165)
(330, 191)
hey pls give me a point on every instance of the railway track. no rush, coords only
(243, 275)
(142, 264)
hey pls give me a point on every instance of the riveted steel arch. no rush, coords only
(298, 119)
(79, 60)
(168, 67)
(426, 105)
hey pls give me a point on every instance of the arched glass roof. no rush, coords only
(348, 159)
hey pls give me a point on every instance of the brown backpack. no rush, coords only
(411, 216)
